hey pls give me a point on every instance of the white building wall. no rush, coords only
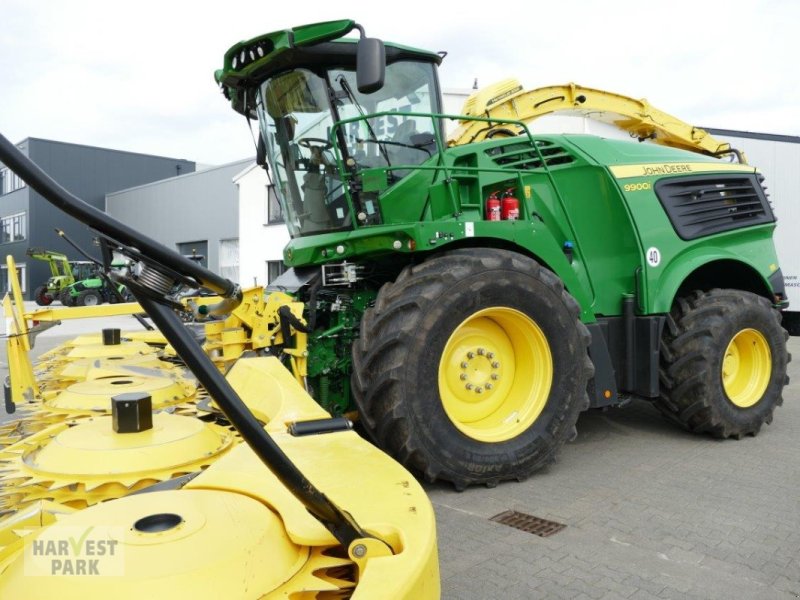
(779, 162)
(259, 242)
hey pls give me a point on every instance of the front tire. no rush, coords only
(472, 367)
(41, 296)
(723, 363)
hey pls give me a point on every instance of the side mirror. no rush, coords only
(261, 152)
(370, 65)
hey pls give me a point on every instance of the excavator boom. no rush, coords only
(508, 100)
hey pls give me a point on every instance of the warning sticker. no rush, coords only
(653, 257)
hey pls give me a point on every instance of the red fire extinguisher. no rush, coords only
(510, 206)
(493, 207)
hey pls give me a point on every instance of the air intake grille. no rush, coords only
(700, 206)
(523, 156)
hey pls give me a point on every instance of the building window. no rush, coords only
(274, 213)
(5, 283)
(229, 259)
(274, 269)
(13, 228)
(10, 181)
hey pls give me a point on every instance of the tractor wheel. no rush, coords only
(723, 363)
(89, 298)
(472, 367)
(41, 296)
(64, 297)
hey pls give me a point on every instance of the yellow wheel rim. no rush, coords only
(746, 368)
(495, 374)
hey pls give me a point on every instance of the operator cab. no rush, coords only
(319, 129)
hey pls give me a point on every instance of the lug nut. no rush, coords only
(469, 386)
(488, 386)
(490, 355)
(463, 377)
(478, 390)
(495, 365)
(495, 376)
(481, 351)
(470, 355)
(464, 365)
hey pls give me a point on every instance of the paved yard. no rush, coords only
(651, 512)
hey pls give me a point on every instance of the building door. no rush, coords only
(195, 250)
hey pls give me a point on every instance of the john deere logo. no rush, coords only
(63, 551)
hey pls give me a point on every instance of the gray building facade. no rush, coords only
(27, 220)
(195, 214)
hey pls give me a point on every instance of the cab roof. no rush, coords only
(249, 62)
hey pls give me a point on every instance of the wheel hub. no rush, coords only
(746, 368)
(495, 374)
(481, 372)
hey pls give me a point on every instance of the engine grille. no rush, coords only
(522, 156)
(701, 206)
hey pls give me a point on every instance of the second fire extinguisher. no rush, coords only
(510, 206)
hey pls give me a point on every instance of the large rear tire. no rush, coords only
(472, 367)
(723, 363)
(41, 296)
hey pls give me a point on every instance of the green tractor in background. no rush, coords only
(64, 273)
(95, 289)
(471, 296)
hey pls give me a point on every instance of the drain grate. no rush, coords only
(528, 523)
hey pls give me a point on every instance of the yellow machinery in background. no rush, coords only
(507, 101)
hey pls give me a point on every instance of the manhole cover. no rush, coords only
(528, 523)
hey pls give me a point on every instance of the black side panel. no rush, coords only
(634, 353)
(647, 346)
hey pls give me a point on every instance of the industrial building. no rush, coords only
(196, 214)
(27, 220)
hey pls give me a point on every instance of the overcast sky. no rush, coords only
(138, 75)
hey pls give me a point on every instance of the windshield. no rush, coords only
(296, 121)
(297, 116)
